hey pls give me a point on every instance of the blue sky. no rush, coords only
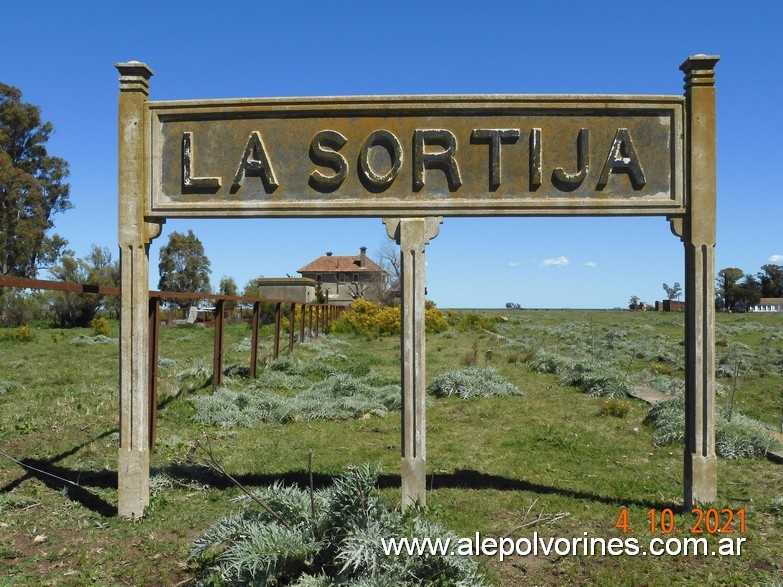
(61, 55)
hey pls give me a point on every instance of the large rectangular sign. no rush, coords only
(414, 156)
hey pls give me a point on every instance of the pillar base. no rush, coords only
(414, 482)
(700, 479)
(133, 474)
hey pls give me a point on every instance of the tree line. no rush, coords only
(33, 190)
(737, 291)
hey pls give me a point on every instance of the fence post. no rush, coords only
(254, 338)
(154, 341)
(302, 325)
(291, 324)
(276, 352)
(217, 363)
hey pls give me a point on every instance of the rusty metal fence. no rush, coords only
(314, 320)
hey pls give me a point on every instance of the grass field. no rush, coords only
(498, 465)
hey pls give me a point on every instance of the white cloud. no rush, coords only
(514, 264)
(591, 264)
(555, 262)
(776, 259)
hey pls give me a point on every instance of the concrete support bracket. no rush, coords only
(413, 234)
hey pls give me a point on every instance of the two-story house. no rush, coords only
(346, 278)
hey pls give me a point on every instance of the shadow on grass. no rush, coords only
(460, 479)
(77, 483)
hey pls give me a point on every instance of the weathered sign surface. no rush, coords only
(448, 156)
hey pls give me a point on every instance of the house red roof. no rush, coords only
(342, 264)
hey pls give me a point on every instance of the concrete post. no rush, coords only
(700, 467)
(134, 237)
(412, 234)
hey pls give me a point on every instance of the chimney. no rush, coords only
(328, 253)
(362, 256)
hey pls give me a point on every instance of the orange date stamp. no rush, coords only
(707, 521)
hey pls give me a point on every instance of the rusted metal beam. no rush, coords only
(302, 324)
(217, 365)
(254, 339)
(9, 281)
(278, 312)
(154, 334)
(291, 324)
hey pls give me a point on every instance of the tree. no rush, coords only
(32, 188)
(674, 292)
(228, 287)
(320, 297)
(746, 293)
(635, 303)
(97, 268)
(771, 281)
(390, 262)
(726, 284)
(267, 309)
(251, 287)
(183, 266)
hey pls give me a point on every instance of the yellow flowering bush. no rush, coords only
(373, 320)
(100, 325)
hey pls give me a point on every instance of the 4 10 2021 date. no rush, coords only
(708, 521)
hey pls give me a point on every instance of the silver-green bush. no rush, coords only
(339, 543)
(472, 382)
(339, 397)
(740, 437)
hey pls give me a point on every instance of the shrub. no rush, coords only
(6, 386)
(435, 321)
(472, 382)
(335, 539)
(615, 407)
(548, 362)
(368, 319)
(596, 378)
(668, 418)
(100, 325)
(339, 397)
(740, 437)
(372, 320)
(84, 340)
(471, 322)
(22, 334)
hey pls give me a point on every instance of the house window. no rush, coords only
(318, 277)
(355, 277)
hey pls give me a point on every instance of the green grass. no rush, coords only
(488, 459)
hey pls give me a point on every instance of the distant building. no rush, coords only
(670, 306)
(294, 289)
(346, 278)
(768, 305)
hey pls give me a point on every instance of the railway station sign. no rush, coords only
(408, 156)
